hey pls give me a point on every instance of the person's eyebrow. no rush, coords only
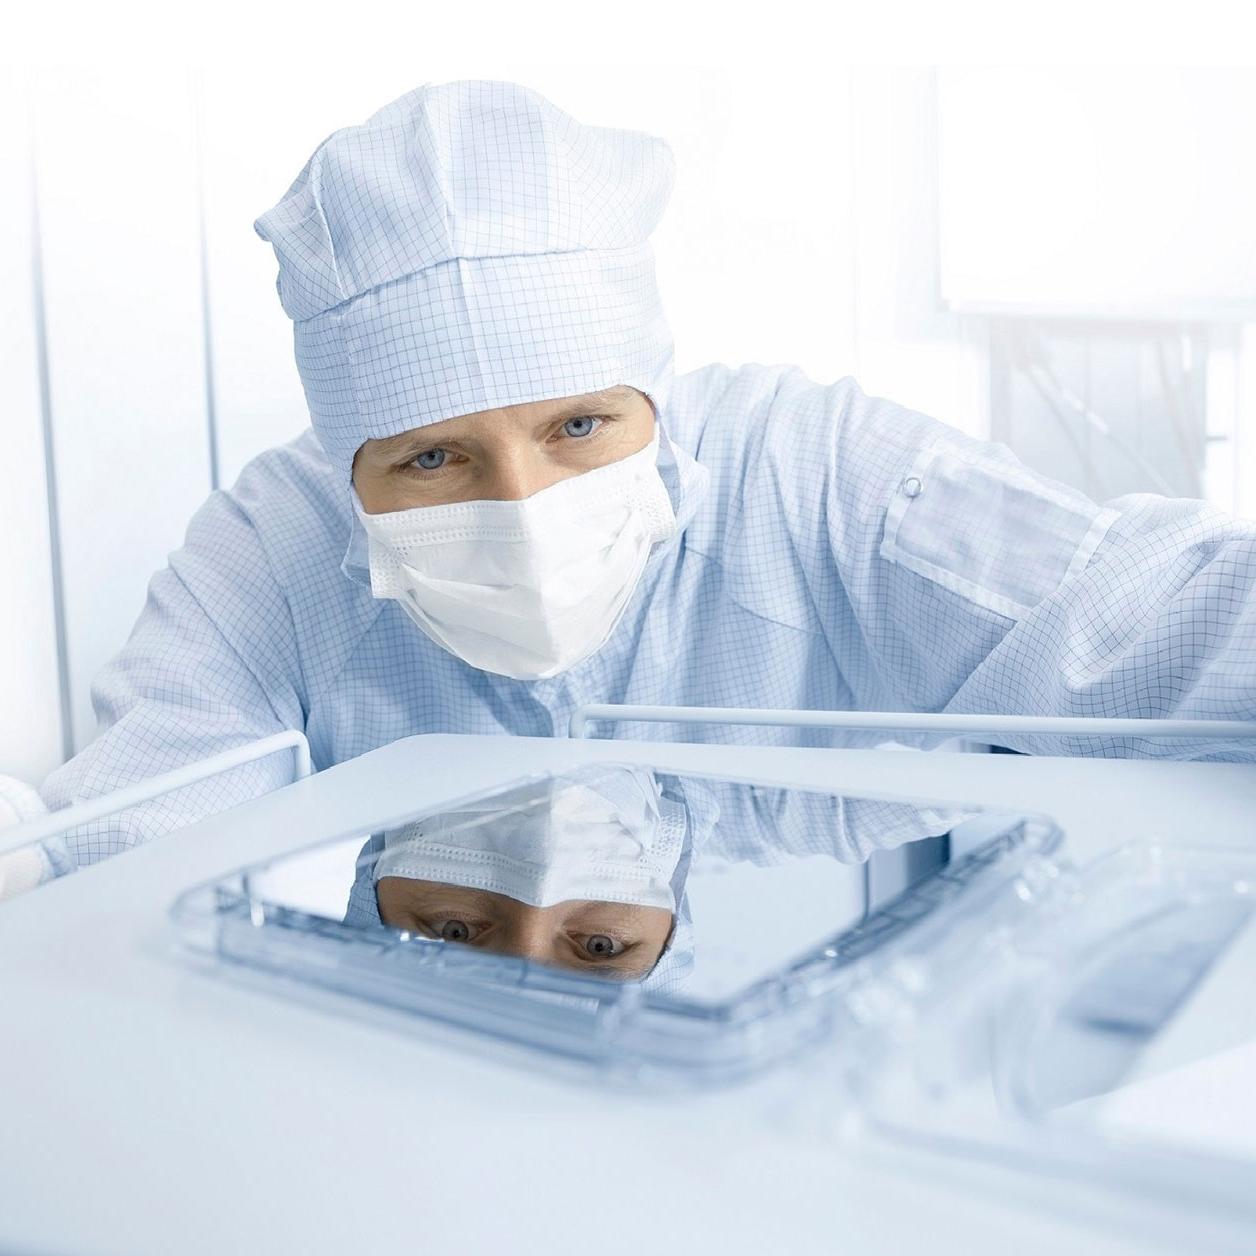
(616, 396)
(591, 912)
(456, 898)
(589, 403)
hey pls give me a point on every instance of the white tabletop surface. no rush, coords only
(152, 1105)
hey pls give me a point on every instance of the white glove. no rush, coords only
(21, 869)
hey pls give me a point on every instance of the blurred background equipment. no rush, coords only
(1101, 218)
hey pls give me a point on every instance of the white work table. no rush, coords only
(154, 1105)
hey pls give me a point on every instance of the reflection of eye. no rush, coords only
(455, 931)
(431, 459)
(601, 946)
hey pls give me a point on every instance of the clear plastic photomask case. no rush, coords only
(668, 930)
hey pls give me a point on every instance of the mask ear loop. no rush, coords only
(670, 968)
(668, 470)
(700, 810)
(684, 837)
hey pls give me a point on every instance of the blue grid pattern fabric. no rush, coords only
(470, 246)
(780, 591)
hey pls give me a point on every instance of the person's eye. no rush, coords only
(583, 426)
(430, 460)
(455, 931)
(602, 946)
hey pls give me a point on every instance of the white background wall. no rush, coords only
(803, 228)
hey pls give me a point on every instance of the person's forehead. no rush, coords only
(418, 892)
(545, 411)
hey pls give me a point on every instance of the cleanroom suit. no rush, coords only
(471, 247)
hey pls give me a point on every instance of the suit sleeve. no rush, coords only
(210, 664)
(970, 583)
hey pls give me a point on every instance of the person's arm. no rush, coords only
(973, 584)
(210, 665)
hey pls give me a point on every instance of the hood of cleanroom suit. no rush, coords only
(472, 246)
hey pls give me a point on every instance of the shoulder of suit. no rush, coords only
(718, 404)
(285, 501)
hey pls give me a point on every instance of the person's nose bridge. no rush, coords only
(518, 469)
(519, 474)
(529, 937)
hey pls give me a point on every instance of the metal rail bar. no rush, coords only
(143, 791)
(915, 722)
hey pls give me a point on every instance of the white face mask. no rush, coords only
(526, 588)
(612, 839)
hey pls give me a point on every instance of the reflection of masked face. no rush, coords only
(577, 871)
(607, 836)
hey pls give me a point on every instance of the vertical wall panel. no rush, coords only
(1221, 417)
(30, 696)
(116, 185)
(1245, 425)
